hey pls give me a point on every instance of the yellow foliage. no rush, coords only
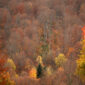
(16, 75)
(49, 71)
(10, 64)
(33, 73)
(39, 60)
(80, 71)
(60, 60)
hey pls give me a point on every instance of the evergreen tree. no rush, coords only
(39, 71)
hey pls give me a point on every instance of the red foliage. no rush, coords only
(2, 63)
(83, 30)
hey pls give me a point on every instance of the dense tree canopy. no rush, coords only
(42, 38)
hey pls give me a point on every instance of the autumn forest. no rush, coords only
(42, 42)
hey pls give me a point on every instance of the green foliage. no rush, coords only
(80, 71)
(39, 71)
(60, 60)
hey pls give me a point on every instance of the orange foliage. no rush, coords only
(33, 73)
(3, 70)
(70, 50)
(83, 29)
(60, 69)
